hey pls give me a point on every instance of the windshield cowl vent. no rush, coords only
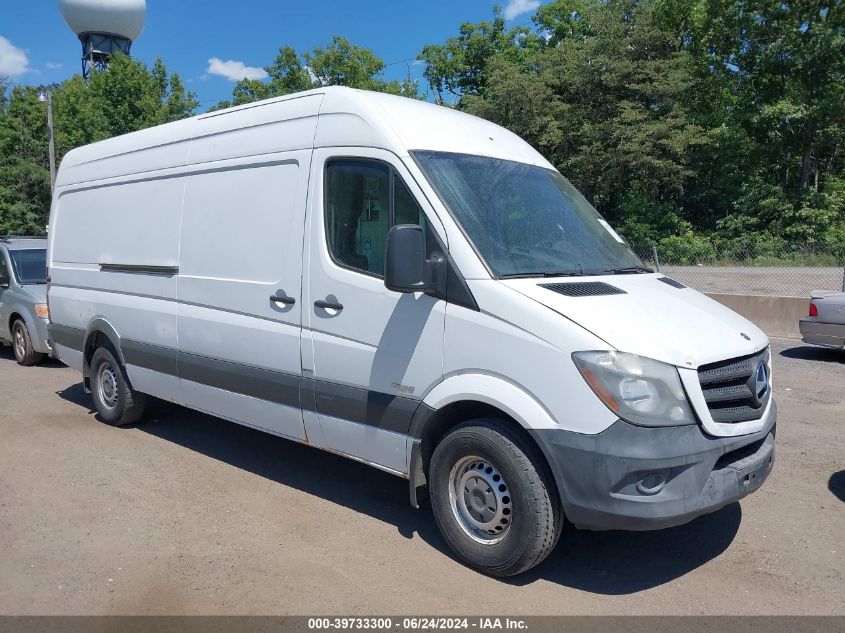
(584, 289)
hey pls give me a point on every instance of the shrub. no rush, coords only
(686, 250)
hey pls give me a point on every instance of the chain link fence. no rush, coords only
(796, 274)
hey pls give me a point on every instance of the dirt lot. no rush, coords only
(189, 514)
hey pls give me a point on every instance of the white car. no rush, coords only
(825, 325)
(417, 289)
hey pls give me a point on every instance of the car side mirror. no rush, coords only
(5, 282)
(405, 265)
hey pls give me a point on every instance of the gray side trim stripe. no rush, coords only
(257, 382)
(373, 408)
(154, 357)
(308, 394)
(71, 337)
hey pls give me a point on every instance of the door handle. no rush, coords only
(327, 304)
(288, 301)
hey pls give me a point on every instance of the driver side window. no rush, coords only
(364, 198)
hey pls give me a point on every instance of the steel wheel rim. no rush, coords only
(20, 341)
(480, 500)
(107, 385)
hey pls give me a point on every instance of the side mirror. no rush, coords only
(405, 265)
(5, 282)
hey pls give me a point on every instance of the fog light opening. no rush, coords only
(651, 484)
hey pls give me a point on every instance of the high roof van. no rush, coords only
(419, 290)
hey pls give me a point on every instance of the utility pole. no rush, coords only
(52, 141)
(48, 97)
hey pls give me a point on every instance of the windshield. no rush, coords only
(30, 265)
(525, 220)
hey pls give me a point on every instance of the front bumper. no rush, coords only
(41, 337)
(823, 334)
(637, 478)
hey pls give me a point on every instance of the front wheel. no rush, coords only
(492, 498)
(25, 353)
(116, 403)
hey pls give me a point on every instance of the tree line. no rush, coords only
(700, 125)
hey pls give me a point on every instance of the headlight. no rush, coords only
(637, 389)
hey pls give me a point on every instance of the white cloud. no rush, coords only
(518, 7)
(234, 70)
(13, 60)
(53, 65)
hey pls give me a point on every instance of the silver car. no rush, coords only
(23, 298)
(826, 324)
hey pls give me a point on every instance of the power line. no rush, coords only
(402, 61)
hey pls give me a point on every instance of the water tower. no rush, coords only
(104, 27)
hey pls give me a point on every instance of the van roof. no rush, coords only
(348, 117)
(411, 124)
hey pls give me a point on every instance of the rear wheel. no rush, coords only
(493, 499)
(116, 403)
(25, 354)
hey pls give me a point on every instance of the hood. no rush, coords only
(651, 318)
(38, 292)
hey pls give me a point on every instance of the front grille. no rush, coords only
(733, 389)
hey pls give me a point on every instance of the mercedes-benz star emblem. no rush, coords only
(761, 380)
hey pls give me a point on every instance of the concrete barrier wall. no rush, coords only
(776, 316)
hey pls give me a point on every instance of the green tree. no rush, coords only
(461, 65)
(338, 64)
(605, 98)
(126, 97)
(24, 166)
(673, 115)
(777, 72)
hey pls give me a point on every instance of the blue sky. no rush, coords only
(37, 47)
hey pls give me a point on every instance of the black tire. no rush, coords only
(25, 354)
(116, 403)
(529, 513)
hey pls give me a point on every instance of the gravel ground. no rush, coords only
(187, 514)
(779, 282)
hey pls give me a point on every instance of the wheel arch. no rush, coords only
(14, 315)
(18, 311)
(98, 332)
(467, 397)
(495, 391)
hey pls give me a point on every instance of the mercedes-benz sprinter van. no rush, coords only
(419, 290)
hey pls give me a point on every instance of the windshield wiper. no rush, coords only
(629, 270)
(546, 273)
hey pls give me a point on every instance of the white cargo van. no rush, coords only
(417, 289)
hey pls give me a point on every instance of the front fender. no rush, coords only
(26, 314)
(495, 391)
